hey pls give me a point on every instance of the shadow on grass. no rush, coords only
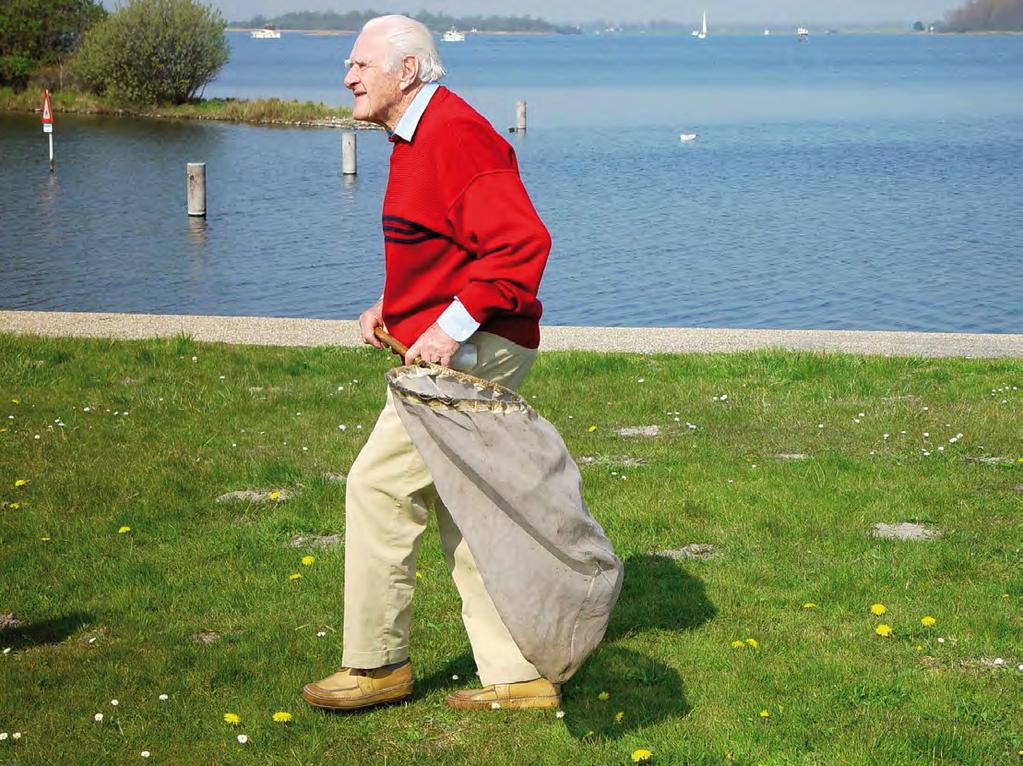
(657, 594)
(49, 631)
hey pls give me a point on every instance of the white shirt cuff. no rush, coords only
(457, 322)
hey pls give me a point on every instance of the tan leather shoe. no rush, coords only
(351, 689)
(539, 693)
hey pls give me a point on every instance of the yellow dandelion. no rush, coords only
(878, 609)
(603, 696)
(45, 539)
(737, 644)
(919, 648)
(927, 621)
(809, 605)
(15, 401)
(14, 506)
(275, 495)
(232, 718)
(765, 713)
(588, 734)
(307, 561)
(591, 429)
(642, 755)
(123, 530)
(21, 482)
(294, 576)
(885, 631)
(619, 716)
(419, 575)
(753, 642)
(281, 717)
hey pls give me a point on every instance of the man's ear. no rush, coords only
(409, 71)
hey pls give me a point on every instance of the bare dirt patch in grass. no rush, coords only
(313, 541)
(255, 496)
(9, 620)
(634, 431)
(699, 551)
(986, 460)
(904, 531)
(206, 637)
(618, 461)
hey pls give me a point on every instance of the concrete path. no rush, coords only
(270, 331)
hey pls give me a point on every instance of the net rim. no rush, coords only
(510, 400)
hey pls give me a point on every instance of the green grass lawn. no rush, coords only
(147, 435)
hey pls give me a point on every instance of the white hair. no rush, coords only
(408, 37)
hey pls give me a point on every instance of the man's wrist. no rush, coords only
(457, 322)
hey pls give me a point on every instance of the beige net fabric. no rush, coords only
(515, 493)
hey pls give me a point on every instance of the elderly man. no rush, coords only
(464, 252)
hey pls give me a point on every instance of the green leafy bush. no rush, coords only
(34, 32)
(153, 51)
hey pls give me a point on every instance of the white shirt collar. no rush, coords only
(406, 127)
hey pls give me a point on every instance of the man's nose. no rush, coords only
(350, 78)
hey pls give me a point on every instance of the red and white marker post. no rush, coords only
(48, 122)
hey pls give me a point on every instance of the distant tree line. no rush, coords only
(353, 20)
(986, 16)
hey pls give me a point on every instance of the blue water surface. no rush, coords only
(856, 182)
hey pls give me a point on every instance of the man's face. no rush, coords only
(376, 91)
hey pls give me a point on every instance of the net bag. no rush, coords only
(515, 493)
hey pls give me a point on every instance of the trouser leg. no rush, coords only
(385, 516)
(498, 658)
(388, 490)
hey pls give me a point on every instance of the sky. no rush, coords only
(718, 11)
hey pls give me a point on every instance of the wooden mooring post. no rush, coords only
(196, 172)
(520, 118)
(349, 163)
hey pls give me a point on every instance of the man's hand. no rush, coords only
(369, 320)
(434, 345)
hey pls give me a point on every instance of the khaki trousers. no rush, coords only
(389, 493)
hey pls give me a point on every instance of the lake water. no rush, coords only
(856, 182)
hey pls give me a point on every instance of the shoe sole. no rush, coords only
(387, 696)
(512, 703)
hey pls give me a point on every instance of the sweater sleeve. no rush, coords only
(494, 220)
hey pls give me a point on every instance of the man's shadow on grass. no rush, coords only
(52, 630)
(658, 594)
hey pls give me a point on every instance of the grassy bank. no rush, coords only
(271, 111)
(131, 581)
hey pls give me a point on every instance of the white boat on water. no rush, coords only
(266, 33)
(687, 137)
(701, 33)
(453, 36)
(802, 33)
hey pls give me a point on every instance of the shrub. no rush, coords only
(153, 51)
(34, 32)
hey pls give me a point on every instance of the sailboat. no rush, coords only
(702, 33)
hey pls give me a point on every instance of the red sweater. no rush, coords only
(458, 223)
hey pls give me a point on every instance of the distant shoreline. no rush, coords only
(352, 32)
(776, 31)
